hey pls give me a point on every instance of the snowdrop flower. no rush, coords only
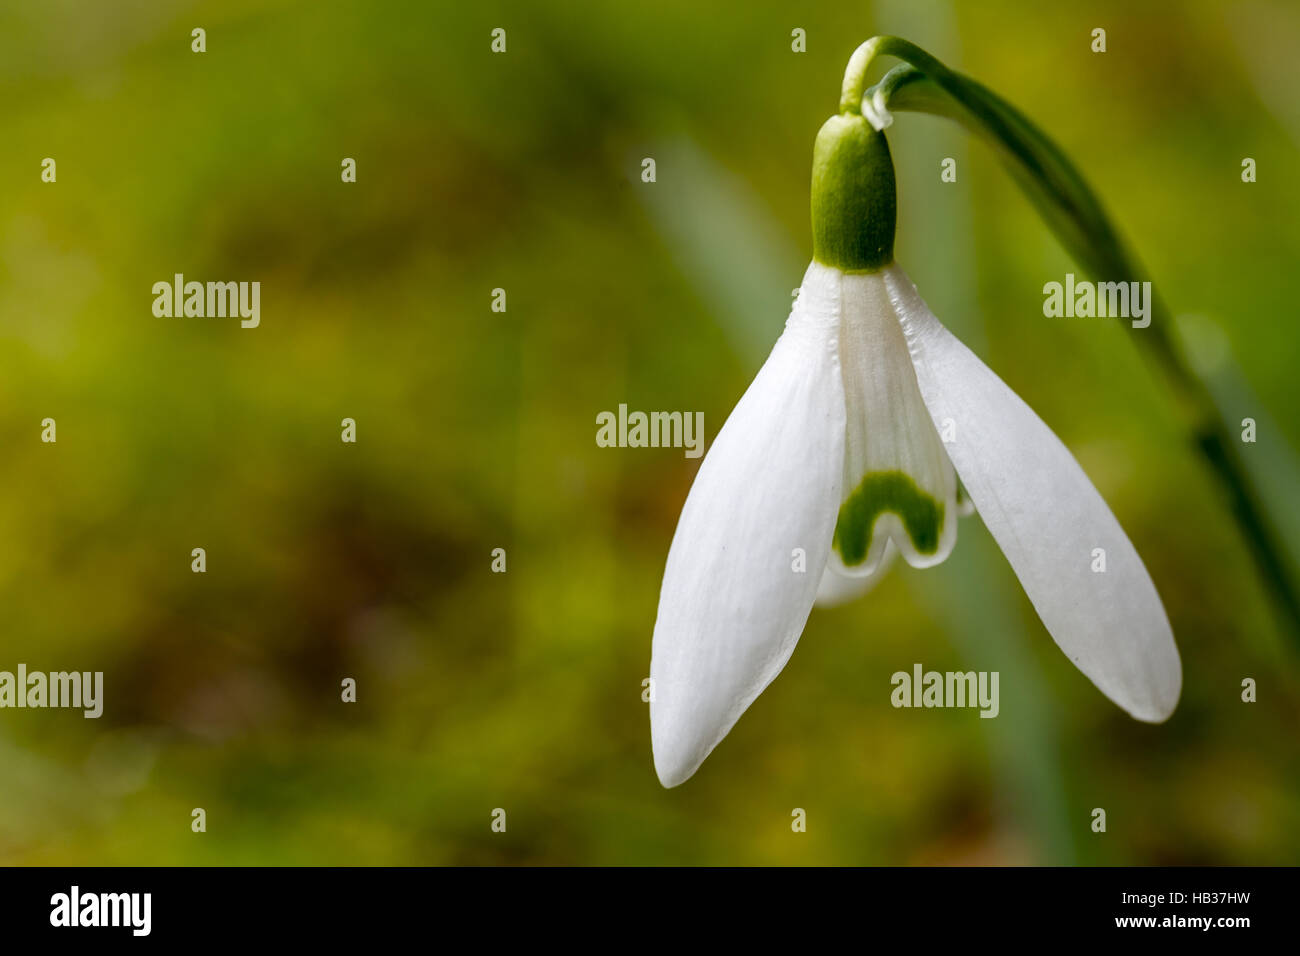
(847, 448)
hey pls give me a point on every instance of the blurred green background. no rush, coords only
(476, 430)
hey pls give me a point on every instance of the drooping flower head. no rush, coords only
(848, 448)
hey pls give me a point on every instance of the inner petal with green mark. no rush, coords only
(879, 493)
(898, 483)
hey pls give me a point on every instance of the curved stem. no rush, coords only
(855, 73)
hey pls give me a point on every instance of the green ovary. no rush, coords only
(878, 492)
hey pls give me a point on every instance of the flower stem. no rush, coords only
(1075, 215)
(855, 73)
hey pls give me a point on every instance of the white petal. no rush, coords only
(1047, 518)
(733, 604)
(898, 484)
(838, 588)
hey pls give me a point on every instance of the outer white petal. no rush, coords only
(1047, 518)
(732, 605)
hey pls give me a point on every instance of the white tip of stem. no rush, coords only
(877, 114)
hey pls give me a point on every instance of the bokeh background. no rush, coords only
(476, 430)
